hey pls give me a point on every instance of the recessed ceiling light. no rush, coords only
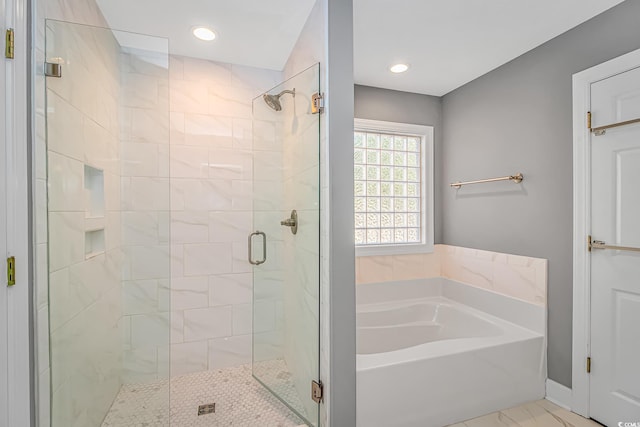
(399, 68)
(204, 33)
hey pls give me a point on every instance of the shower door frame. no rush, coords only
(17, 110)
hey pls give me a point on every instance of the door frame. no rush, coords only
(582, 82)
(16, 199)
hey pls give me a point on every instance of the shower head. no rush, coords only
(273, 101)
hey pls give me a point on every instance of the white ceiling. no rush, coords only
(256, 33)
(448, 43)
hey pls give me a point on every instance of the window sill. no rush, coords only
(383, 250)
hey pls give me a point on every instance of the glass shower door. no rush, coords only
(107, 184)
(285, 245)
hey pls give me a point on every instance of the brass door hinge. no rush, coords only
(588, 365)
(317, 103)
(589, 120)
(317, 391)
(11, 271)
(10, 44)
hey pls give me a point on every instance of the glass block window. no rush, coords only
(388, 188)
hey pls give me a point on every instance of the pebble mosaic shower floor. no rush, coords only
(240, 401)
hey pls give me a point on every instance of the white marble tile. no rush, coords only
(140, 159)
(177, 327)
(177, 260)
(139, 365)
(206, 259)
(230, 164)
(265, 136)
(189, 292)
(208, 72)
(146, 194)
(373, 269)
(242, 319)
(176, 67)
(177, 127)
(140, 228)
(464, 266)
(189, 357)
(229, 226)
(66, 239)
(229, 351)
(240, 262)
(268, 166)
(146, 125)
(189, 162)
(139, 90)
(540, 413)
(207, 323)
(189, 227)
(242, 131)
(209, 131)
(242, 195)
(230, 289)
(233, 101)
(149, 261)
(149, 330)
(201, 195)
(189, 97)
(64, 127)
(66, 184)
(139, 297)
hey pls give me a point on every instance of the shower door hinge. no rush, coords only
(317, 103)
(317, 391)
(11, 271)
(588, 365)
(52, 69)
(10, 44)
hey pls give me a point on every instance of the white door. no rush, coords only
(615, 273)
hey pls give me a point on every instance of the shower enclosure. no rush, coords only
(285, 248)
(118, 324)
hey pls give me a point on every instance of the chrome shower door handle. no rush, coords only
(264, 248)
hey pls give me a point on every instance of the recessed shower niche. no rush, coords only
(94, 222)
(94, 192)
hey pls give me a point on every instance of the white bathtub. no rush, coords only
(436, 352)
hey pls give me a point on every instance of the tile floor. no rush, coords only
(240, 401)
(541, 413)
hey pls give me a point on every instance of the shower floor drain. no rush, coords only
(206, 409)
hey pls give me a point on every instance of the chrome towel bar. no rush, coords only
(517, 178)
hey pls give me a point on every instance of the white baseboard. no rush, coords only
(558, 394)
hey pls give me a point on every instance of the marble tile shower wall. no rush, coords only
(144, 138)
(83, 11)
(211, 163)
(85, 259)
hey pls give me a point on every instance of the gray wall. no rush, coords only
(518, 118)
(403, 107)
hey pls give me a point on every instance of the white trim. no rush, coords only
(16, 202)
(582, 221)
(558, 394)
(427, 168)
